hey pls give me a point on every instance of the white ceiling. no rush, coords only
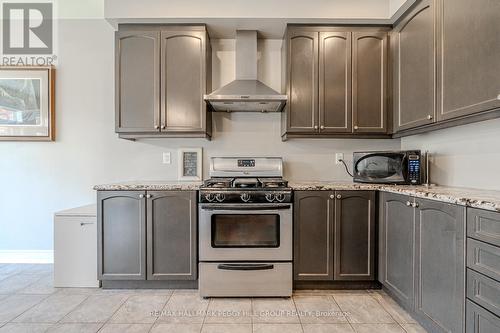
(269, 17)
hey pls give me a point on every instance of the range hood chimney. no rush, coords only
(246, 93)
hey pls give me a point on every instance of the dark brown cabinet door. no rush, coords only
(313, 235)
(302, 82)
(440, 265)
(414, 72)
(335, 112)
(137, 85)
(183, 81)
(354, 235)
(121, 231)
(397, 247)
(369, 82)
(171, 235)
(468, 57)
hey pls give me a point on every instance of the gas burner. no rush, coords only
(218, 183)
(273, 182)
(246, 183)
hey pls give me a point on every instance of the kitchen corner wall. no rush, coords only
(464, 156)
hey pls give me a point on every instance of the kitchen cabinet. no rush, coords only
(469, 44)
(422, 257)
(162, 73)
(137, 81)
(444, 73)
(440, 269)
(369, 82)
(302, 84)
(414, 75)
(147, 235)
(354, 235)
(480, 320)
(121, 235)
(336, 80)
(397, 247)
(334, 234)
(313, 235)
(171, 235)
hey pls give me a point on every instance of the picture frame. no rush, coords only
(27, 103)
(190, 164)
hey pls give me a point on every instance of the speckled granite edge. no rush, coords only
(149, 186)
(482, 199)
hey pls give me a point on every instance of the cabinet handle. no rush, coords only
(332, 196)
(322, 127)
(408, 203)
(148, 196)
(141, 196)
(85, 223)
(316, 127)
(157, 127)
(339, 196)
(163, 126)
(415, 205)
(429, 117)
(356, 127)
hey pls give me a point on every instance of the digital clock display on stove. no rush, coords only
(246, 163)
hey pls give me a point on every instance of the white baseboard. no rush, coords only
(26, 256)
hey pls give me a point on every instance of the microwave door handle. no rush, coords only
(245, 267)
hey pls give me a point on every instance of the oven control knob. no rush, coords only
(280, 197)
(220, 197)
(210, 197)
(270, 197)
(245, 197)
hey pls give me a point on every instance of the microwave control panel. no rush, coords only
(414, 169)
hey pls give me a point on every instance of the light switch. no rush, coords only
(338, 157)
(167, 158)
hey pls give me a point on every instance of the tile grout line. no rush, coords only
(31, 307)
(341, 310)
(297, 312)
(75, 308)
(127, 296)
(161, 311)
(205, 317)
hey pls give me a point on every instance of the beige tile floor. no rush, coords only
(29, 303)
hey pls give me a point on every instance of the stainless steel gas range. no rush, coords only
(245, 229)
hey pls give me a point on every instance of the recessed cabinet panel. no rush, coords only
(468, 57)
(313, 235)
(137, 81)
(171, 222)
(354, 235)
(440, 265)
(414, 68)
(335, 82)
(183, 80)
(369, 82)
(122, 235)
(303, 82)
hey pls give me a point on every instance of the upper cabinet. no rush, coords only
(336, 81)
(162, 73)
(412, 40)
(445, 64)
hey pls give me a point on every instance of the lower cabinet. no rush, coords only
(334, 235)
(147, 235)
(422, 259)
(480, 320)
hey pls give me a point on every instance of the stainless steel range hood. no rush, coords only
(246, 93)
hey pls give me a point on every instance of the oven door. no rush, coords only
(245, 232)
(382, 168)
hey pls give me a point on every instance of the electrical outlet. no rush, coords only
(338, 157)
(167, 158)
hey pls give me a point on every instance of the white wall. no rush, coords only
(465, 156)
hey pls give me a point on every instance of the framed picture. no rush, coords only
(190, 164)
(27, 103)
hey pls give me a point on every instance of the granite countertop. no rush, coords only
(476, 198)
(483, 199)
(150, 186)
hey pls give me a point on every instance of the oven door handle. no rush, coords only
(246, 207)
(245, 267)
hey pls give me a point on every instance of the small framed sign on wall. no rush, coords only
(190, 164)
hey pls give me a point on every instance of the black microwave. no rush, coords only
(388, 167)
